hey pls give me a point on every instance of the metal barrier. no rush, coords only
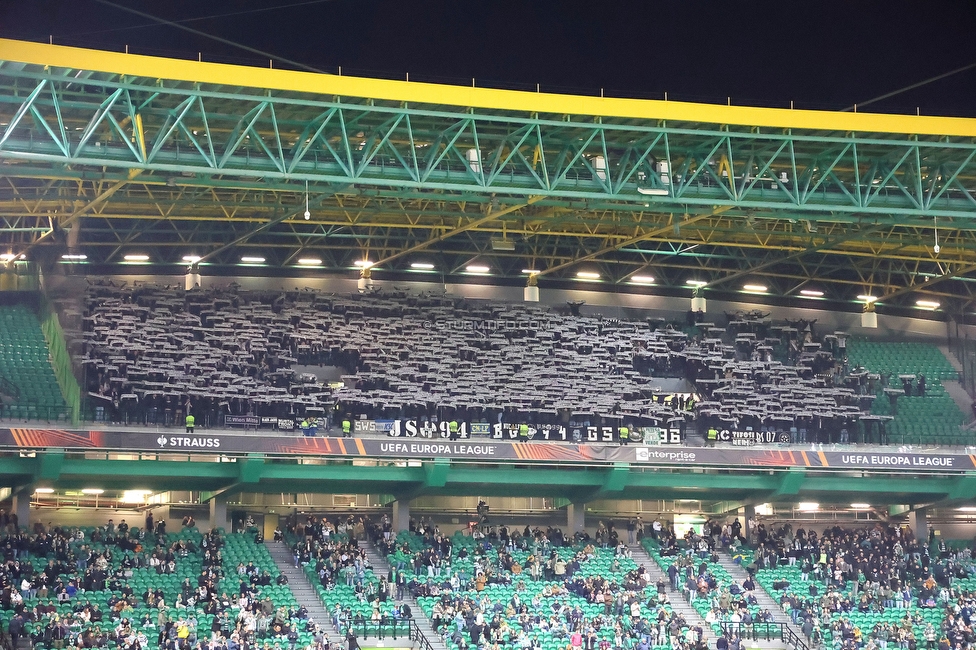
(391, 629)
(766, 632)
(8, 388)
(795, 640)
(755, 631)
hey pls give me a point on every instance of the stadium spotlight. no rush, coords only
(531, 291)
(365, 280)
(869, 317)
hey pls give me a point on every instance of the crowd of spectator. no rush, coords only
(501, 586)
(77, 587)
(871, 587)
(154, 354)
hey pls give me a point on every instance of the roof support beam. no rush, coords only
(628, 242)
(490, 215)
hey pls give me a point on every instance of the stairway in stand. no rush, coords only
(299, 584)
(678, 601)
(690, 614)
(382, 568)
(766, 601)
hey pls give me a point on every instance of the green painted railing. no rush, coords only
(60, 359)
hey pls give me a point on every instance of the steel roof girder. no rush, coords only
(886, 204)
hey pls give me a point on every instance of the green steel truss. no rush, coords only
(176, 168)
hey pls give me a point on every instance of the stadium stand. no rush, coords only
(436, 356)
(693, 569)
(493, 587)
(28, 387)
(533, 588)
(910, 378)
(857, 587)
(343, 578)
(133, 589)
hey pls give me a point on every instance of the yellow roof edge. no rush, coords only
(486, 98)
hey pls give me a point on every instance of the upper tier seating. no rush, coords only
(930, 419)
(25, 363)
(894, 358)
(228, 351)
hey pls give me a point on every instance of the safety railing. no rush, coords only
(765, 632)
(391, 630)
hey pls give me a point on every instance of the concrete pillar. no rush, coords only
(21, 507)
(749, 524)
(919, 523)
(575, 518)
(218, 513)
(401, 515)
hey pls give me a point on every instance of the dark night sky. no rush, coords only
(821, 54)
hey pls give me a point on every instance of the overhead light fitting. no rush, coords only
(93, 491)
(307, 215)
(530, 271)
(927, 304)
(642, 279)
(252, 260)
(135, 496)
(476, 268)
(966, 509)
(422, 266)
(695, 283)
(808, 506)
(74, 257)
(811, 293)
(310, 261)
(588, 275)
(860, 506)
(192, 259)
(6, 257)
(653, 191)
(755, 288)
(502, 245)
(363, 264)
(867, 298)
(136, 258)
(44, 491)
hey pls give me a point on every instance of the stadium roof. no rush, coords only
(109, 155)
